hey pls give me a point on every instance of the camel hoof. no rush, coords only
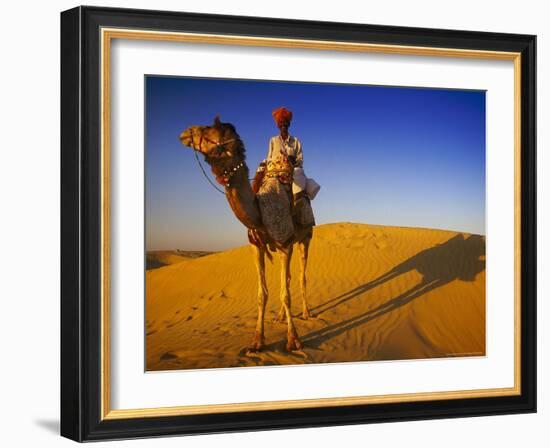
(257, 344)
(307, 315)
(255, 347)
(293, 344)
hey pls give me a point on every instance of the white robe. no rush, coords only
(278, 148)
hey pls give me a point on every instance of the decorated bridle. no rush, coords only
(227, 173)
(220, 146)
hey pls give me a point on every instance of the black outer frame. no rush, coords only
(81, 207)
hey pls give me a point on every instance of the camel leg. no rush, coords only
(293, 343)
(281, 317)
(259, 340)
(304, 251)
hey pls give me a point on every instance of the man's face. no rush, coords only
(283, 125)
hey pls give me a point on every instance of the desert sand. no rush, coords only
(159, 258)
(377, 293)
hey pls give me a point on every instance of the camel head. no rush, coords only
(222, 148)
(219, 143)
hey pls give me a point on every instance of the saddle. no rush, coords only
(281, 210)
(302, 210)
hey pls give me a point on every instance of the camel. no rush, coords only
(224, 151)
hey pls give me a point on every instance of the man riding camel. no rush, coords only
(285, 161)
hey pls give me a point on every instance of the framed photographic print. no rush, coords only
(274, 223)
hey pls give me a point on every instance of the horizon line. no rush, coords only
(436, 229)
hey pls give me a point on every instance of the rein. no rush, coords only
(206, 175)
(227, 174)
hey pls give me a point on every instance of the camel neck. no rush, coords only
(242, 200)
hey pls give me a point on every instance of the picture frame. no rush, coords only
(86, 37)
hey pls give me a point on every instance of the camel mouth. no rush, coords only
(186, 138)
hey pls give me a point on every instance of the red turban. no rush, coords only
(282, 114)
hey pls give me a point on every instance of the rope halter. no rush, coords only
(227, 173)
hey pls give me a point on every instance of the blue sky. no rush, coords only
(399, 156)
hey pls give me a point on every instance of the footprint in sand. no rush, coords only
(168, 356)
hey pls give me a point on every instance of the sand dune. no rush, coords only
(377, 292)
(160, 258)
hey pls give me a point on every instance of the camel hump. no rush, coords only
(274, 200)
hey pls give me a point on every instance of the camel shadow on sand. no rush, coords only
(459, 258)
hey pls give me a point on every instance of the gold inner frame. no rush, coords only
(107, 35)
